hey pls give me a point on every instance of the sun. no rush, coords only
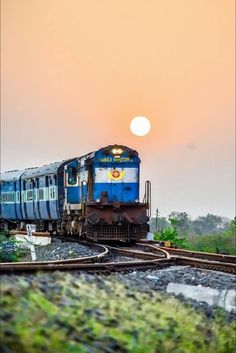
(140, 126)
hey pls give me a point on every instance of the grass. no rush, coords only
(102, 315)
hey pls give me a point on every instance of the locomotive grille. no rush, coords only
(109, 232)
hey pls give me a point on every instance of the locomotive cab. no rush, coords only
(103, 189)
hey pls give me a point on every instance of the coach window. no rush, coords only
(72, 175)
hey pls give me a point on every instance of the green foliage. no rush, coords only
(10, 249)
(171, 234)
(202, 225)
(158, 224)
(221, 242)
(210, 233)
(209, 224)
(181, 220)
(233, 225)
(103, 315)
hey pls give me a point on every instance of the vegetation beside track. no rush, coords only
(222, 242)
(72, 314)
(10, 249)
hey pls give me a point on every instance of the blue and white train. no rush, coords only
(94, 196)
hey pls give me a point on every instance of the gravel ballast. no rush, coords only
(143, 281)
(62, 251)
(159, 279)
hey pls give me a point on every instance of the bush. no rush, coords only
(10, 249)
(222, 243)
(171, 234)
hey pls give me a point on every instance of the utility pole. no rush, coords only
(156, 217)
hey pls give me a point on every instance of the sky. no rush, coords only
(74, 73)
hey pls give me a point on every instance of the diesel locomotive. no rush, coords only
(95, 196)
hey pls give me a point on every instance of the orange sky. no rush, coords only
(75, 72)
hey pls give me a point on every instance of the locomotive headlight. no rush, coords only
(117, 150)
(136, 200)
(98, 200)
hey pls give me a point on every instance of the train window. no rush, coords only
(72, 175)
(52, 193)
(41, 194)
(29, 195)
(8, 197)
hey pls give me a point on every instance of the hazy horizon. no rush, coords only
(75, 73)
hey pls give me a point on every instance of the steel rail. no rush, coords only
(133, 253)
(120, 266)
(205, 264)
(139, 253)
(83, 259)
(89, 267)
(156, 249)
(181, 260)
(194, 254)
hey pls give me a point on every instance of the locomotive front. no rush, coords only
(114, 210)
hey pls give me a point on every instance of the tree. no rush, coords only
(210, 224)
(162, 223)
(181, 220)
(171, 234)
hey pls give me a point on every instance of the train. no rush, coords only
(95, 197)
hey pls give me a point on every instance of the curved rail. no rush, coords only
(152, 261)
(107, 267)
(83, 259)
(156, 249)
(194, 254)
(134, 253)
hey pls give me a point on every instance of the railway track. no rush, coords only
(193, 254)
(146, 254)
(42, 264)
(226, 267)
(143, 260)
(103, 268)
(152, 253)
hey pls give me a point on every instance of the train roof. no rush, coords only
(34, 172)
(52, 168)
(12, 175)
